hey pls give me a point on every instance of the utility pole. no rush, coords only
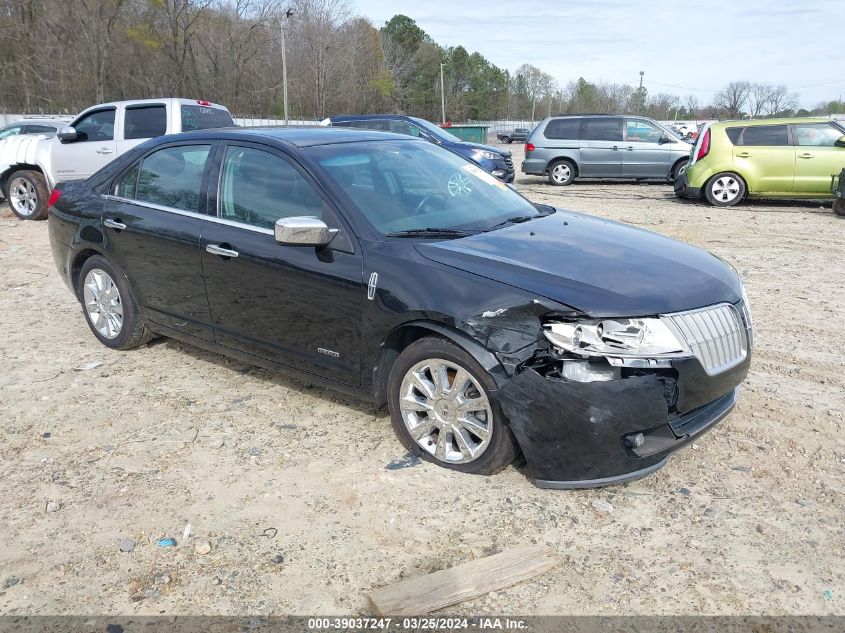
(287, 14)
(640, 103)
(442, 95)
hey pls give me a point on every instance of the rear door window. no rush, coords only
(765, 135)
(734, 133)
(563, 129)
(601, 129)
(816, 134)
(145, 121)
(172, 177)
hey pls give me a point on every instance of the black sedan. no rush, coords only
(389, 268)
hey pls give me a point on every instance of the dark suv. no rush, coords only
(603, 146)
(495, 161)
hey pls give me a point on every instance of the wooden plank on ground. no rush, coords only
(440, 589)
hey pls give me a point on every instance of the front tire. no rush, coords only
(676, 170)
(725, 190)
(109, 307)
(505, 139)
(442, 409)
(561, 173)
(839, 206)
(28, 195)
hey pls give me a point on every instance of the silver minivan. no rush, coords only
(603, 146)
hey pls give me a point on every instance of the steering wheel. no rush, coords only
(427, 199)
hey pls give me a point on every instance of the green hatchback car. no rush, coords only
(770, 158)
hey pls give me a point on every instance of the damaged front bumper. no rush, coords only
(589, 434)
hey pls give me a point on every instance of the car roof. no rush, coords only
(369, 117)
(297, 136)
(159, 101)
(781, 121)
(32, 121)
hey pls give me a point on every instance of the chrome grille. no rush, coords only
(715, 335)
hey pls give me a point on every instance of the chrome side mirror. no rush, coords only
(303, 231)
(67, 134)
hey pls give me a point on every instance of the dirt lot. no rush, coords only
(98, 458)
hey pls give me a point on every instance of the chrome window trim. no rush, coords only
(189, 214)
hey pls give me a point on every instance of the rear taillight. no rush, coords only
(704, 148)
(205, 103)
(54, 197)
(529, 147)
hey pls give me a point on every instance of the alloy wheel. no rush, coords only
(446, 411)
(103, 304)
(725, 189)
(22, 196)
(561, 172)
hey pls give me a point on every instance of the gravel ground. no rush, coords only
(104, 451)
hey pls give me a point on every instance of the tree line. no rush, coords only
(64, 56)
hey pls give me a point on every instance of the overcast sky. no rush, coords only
(697, 46)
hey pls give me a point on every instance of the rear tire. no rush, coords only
(839, 207)
(436, 408)
(28, 194)
(109, 307)
(561, 173)
(725, 189)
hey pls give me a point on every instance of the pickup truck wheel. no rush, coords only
(109, 307)
(839, 206)
(725, 190)
(506, 139)
(561, 172)
(28, 195)
(443, 408)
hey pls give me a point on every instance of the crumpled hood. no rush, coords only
(600, 267)
(469, 147)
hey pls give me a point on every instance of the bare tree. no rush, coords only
(733, 98)
(780, 100)
(759, 96)
(693, 105)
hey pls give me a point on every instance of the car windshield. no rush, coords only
(437, 131)
(411, 186)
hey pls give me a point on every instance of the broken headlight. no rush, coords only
(620, 341)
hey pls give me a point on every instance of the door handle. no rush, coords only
(216, 249)
(743, 155)
(806, 155)
(105, 150)
(630, 148)
(117, 225)
(615, 147)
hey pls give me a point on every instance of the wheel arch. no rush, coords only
(680, 161)
(404, 335)
(733, 171)
(4, 177)
(569, 159)
(77, 261)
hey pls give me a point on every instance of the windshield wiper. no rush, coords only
(431, 232)
(518, 220)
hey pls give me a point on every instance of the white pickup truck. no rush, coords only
(30, 166)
